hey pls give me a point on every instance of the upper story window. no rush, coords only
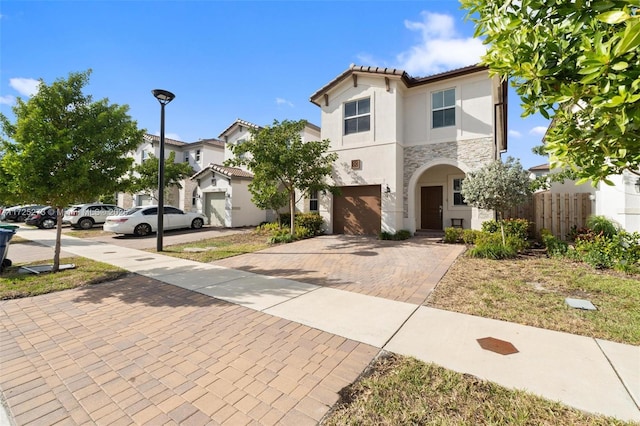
(443, 108)
(357, 117)
(457, 196)
(197, 155)
(143, 156)
(313, 201)
(186, 157)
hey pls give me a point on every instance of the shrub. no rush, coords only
(469, 236)
(303, 232)
(313, 222)
(402, 234)
(268, 228)
(602, 225)
(620, 251)
(453, 235)
(489, 246)
(555, 247)
(384, 235)
(490, 226)
(515, 227)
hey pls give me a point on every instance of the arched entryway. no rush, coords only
(434, 198)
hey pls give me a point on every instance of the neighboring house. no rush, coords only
(198, 154)
(405, 144)
(222, 193)
(619, 202)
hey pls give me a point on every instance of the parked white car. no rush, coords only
(143, 220)
(84, 216)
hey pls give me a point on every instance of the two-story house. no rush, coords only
(197, 154)
(222, 193)
(406, 143)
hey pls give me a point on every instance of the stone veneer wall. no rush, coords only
(188, 186)
(473, 153)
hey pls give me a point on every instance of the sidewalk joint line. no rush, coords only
(613, 367)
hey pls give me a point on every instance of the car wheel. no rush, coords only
(85, 223)
(48, 224)
(197, 223)
(6, 263)
(142, 229)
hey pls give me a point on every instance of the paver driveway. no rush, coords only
(137, 351)
(406, 271)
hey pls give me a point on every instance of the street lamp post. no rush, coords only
(164, 97)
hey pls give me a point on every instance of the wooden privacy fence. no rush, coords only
(556, 212)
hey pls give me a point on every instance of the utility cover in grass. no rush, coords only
(580, 304)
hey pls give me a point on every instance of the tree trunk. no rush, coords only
(292, 210)
(56, 253)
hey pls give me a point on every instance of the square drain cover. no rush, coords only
(496, 345)
(580, 304)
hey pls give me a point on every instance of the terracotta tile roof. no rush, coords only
(239, 122)
(209, 141)
(223, 170)
(408, 80)
(540, 167)
(167, 141)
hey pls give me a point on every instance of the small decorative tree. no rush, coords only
(497, 186)
(64, 147)
(281, 163)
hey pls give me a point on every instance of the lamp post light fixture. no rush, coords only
(164, 97)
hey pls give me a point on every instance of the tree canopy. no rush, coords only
(497, 186)
(577, 63)
(282, 163)
(145, 175)
(64, 147)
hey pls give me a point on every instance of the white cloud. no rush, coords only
(25, 86)
(538, 130)
(281, 101)
(7, 100)
(515, 133)
(440, 48)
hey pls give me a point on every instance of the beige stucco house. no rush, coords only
(222, 193)
(405, 144)
(198, 154)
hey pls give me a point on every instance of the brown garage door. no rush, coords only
(357, 210)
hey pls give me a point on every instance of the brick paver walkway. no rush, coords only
(406, 271)
(136, 351)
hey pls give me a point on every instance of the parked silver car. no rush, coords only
(85, 216)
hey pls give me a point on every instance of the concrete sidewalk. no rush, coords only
(590, 374)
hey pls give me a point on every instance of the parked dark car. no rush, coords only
(45, 218)
(19, 213)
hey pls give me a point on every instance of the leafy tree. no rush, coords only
(65, 147)
(281, 163)
(577, 62)
(497, 186)
(145, 175)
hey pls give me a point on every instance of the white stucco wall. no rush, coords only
(474, 111)
(243, 211)
(620, 202)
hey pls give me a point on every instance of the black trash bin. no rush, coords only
(6, 233)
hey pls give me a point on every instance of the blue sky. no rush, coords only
(254, 60)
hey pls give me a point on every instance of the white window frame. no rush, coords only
(443, 107)
(197, 155)
(186, 157)
(453, 192)
(357, 116)
(313, 198)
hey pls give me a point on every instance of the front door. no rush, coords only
(431, 207)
